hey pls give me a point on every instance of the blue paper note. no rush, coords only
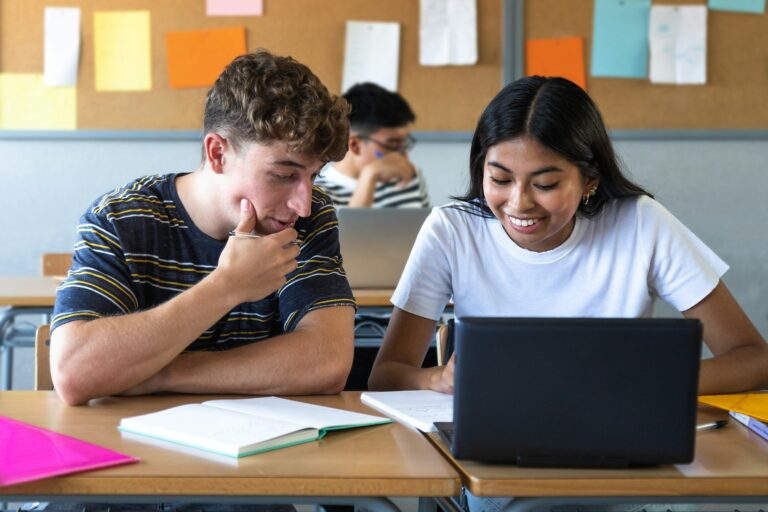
(620, 38)
(753, 6)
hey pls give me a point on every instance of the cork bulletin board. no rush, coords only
(448, 98)
(734, 97)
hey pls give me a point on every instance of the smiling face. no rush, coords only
(534, 192)
(276, 181)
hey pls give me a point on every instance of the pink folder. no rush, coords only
(30, 453)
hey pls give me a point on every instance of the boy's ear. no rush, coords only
(355, 145)
(215, 147)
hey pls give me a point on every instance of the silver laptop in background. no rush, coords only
(376, 242)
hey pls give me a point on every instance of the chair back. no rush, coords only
(55, 264)
(444, 341)
(43, 381)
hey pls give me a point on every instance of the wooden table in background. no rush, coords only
(28, 291)
(41, 292)
(373, 297)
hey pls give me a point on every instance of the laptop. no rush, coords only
(376, 242)
(575, 392)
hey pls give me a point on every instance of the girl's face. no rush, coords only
(534, 192)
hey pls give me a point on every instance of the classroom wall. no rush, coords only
(717, 188)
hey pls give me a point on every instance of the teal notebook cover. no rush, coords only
(239, 428)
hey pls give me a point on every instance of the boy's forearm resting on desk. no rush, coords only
(108, 355)
(113, 355)
(362, 196)
(313, 359)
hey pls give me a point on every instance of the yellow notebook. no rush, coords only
(751, 404)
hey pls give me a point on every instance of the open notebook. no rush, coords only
(238, 428)
(31, 453)
(420, 409)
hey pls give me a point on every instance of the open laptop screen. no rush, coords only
(576, 391)
(376, 243)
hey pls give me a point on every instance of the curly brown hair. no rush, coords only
(260, 97)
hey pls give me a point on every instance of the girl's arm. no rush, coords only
(740, 361)
(398, 364)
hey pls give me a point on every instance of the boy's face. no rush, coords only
(383, 141)
(278, 183)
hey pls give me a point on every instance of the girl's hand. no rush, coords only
(442, 379)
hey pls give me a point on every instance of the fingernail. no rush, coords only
(244, 204)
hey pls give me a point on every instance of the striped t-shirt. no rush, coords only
(386, 195)
(137, 248)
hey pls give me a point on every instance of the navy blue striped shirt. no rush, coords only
(137, 248)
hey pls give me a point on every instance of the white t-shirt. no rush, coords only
(614, 264)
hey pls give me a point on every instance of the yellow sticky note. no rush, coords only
(122, 50)
(26, 104)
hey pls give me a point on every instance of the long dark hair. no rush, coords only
(561, 116)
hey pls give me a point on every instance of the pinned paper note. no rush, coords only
(122, 50)
(678, 36)
(197, 57)
(448, 32)
(620, 38)
(27, 104)
(61, 46)
(371, 54)
(562, 57)
(751, 6)
(234, 7)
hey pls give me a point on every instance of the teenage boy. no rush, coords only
(376, 171)
(227, 279)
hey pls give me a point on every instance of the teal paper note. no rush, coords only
(753, 6)
(620, 38)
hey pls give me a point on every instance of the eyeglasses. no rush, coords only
(401, 148)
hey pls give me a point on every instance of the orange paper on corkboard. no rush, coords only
(197, 57)
(563, 57)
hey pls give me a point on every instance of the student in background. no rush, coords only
(551, 227)
(376, 171)
(226, 279)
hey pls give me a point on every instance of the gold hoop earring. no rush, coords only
(589, 194)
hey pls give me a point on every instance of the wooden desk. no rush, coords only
(28, 291)
(41, 292)
(731, 465)
(385, 460)
(373, 297)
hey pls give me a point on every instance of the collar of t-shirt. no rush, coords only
(545, 257)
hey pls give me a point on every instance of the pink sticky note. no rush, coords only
(30, 453)
(234, 7)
